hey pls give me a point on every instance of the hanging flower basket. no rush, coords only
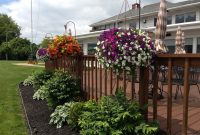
(42, 54)
(122, 49)
(64, 45)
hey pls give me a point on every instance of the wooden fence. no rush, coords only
(97, 81)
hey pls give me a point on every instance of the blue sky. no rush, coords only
(5, 1)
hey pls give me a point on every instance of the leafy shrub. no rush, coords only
(61, 114)
(114, 115)
(41, 93)
(29, 81)
(68, 113)
(62, 88)
(74, 114)
(40, 78)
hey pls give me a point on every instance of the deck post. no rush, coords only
(143, 90)
(169, 100)
(186, 94)
(155, 91)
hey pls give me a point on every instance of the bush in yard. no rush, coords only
(74, 114)
(62, 88)
(29, 81)
(40, 78)
(114, 115)
(41, 93)
(68, 113)
(61, 114)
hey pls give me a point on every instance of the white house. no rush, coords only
(185, 14)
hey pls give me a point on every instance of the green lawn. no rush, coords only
(12, 121)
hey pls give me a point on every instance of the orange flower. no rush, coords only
(63, 45)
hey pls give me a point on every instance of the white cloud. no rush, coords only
(49, 16)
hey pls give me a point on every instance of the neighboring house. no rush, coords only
(185, 14)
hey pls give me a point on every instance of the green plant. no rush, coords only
(61, 114)
(40, 78)
(62, 88)
(114, 115)
(41, 93)
(29, 80)
(74, 114)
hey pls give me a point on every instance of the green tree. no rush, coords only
(17, 49)
(45, 42)
(8, 28)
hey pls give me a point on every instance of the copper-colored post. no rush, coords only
(186, 94)
(169, 101)
(92, 78)
(100, 80)
(105, 70)
(132, 86)
(111, 81)
(85, 77)
(143, 90)
(117, 81)
(124, 81)
(96, 79)
(88, 67)
(155, 91)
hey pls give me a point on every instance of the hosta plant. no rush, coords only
(29, 81)
(114, 115)
(41, 93)
(61, 114)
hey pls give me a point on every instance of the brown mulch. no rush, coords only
(38, 115)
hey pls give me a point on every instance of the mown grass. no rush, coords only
(12, 120)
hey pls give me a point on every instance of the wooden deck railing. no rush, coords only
(97, 81)
(169, 60)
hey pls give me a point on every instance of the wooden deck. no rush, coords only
(177, 106)
(177, 112)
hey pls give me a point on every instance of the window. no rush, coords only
(170, 43)
(190, 17)
(132, 25)
(169, 19)
(91, 48)
(188, 45)
(102, 27)
(198, 45)
(120, 24)
(180, 18)
(187, 17)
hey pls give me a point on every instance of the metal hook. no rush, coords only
(70, 29)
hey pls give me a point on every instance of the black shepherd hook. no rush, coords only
(70, 30)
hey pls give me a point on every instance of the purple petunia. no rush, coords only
(122, 49)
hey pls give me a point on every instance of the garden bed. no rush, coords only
(38, 115)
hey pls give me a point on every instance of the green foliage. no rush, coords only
(17, 49)
(61, 114)
(62, 88)
(45, 42)
(40, 78)
(41, 93)
(74, 114)
(29, 80)
(114, 115)
(8, 28)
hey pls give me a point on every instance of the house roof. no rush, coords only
(144, 10)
